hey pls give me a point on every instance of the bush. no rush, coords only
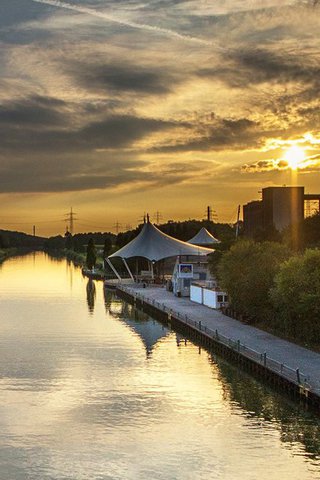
(296, 296)
(91, 257)
(247, 273)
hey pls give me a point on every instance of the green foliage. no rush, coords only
(82, 239)
(4, 242)
(55, 243)
(69, 241)
(311, 231)
(247, 273)
(189, 228)
(21, 240)
(215, 257)
(91, 257)
(305, 234)
(269, 234)
(77, 247)
(107, 247)
(6, 253)
(296, 296)
(125, 237)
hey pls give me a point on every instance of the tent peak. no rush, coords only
(203, 237)
(155, 245)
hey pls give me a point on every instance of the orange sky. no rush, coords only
(120, 107)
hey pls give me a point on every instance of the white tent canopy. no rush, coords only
(155, 245)
(203, 237)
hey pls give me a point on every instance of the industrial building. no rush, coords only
(279, 208)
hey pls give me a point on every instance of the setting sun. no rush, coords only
(294, 156)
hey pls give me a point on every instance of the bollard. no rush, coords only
(217, 335)
(200, 325)
(239, 346)
(265, 359)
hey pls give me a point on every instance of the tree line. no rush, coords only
(273, 286)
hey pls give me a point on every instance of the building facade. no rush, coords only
(279, 208)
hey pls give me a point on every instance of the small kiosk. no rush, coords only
(185, 273)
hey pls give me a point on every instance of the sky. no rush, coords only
(120, 107)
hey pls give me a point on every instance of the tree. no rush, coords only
(311, 231)
(215, 257)
(55, 243)
(4, 242)
(305, 234)
(296, 296)
(91, 255)
(77, 247)
(107, 247)
(68, 241)
(247, 273)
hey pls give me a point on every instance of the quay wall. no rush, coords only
(232, 352)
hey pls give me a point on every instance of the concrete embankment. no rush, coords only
(290, 367)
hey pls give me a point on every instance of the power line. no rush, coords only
(99, 227)
(211, 214)
(143, 219)
(157, 217)
(71, 217)
(117, 227)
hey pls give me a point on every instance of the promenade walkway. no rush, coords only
(281, 351)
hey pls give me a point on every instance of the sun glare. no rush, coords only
(294, 156)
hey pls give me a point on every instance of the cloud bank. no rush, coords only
(135, 96)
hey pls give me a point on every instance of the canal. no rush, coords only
(92, 389)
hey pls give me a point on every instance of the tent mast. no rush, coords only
(127, 267)
(113, 269)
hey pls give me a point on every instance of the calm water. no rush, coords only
(92, 389)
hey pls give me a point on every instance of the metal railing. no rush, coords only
(262, 358)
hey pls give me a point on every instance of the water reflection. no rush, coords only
(91, 388)
(296, 423)
(91, 295)
(259, 402)
(149, 330)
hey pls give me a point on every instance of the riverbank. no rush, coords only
(7, 253)
(289, 366)
(79, 259)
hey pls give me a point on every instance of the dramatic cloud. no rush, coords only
(128, 97)
(33, 111)
(220, 134)
(115, 78)
(308, 165)
(42, 124)
(258, 66)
